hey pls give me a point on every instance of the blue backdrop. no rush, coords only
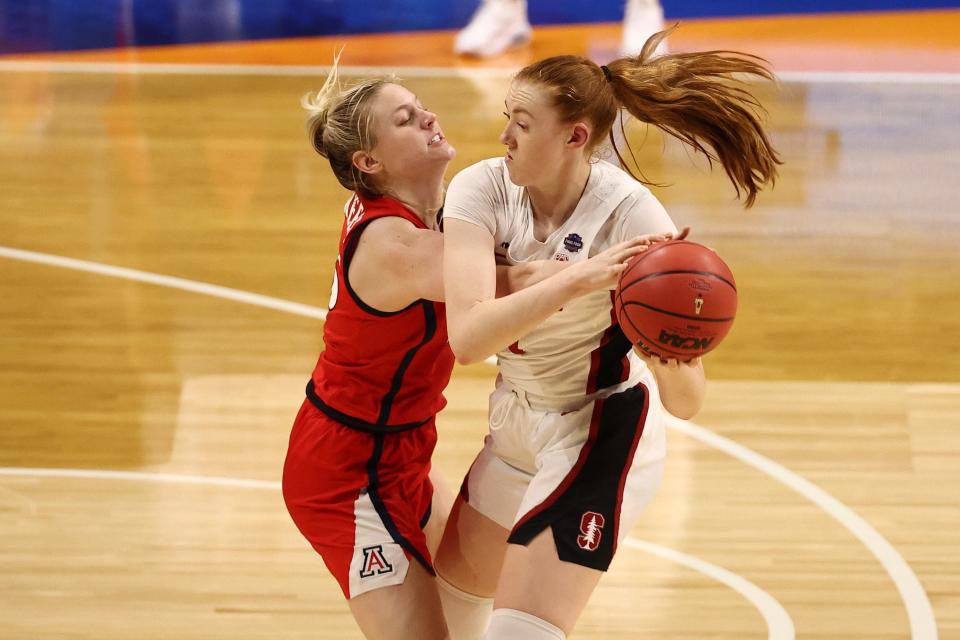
(43, 25)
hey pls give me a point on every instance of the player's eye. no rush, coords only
(519, 124)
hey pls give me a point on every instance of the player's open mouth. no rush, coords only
(435, 140)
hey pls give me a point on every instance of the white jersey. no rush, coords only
(579, 350)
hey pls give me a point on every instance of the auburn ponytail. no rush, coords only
(699, 98)
(702, 100)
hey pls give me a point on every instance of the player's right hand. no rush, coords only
(602, 271)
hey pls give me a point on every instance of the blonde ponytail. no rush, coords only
(339, 124)
(318, 105)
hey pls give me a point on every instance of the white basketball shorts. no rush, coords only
(586, 473)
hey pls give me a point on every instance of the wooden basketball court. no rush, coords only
(167, 240)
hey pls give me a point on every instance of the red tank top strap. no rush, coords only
(360, 209)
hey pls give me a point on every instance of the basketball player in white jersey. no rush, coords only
(576, 444)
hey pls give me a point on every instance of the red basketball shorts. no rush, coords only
(361, 499)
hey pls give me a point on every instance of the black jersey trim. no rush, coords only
(357, 423)
(348, 251)
(373, 490)
(426, 516)
(430, 330)
(609, 365)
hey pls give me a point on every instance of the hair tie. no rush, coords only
(606, 73)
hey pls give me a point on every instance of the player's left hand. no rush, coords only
(667, 363)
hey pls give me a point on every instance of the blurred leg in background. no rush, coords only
(499, 25)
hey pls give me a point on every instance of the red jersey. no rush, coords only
(379, 370)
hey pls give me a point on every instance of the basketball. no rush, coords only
(677, 300)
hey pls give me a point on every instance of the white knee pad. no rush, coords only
(467, 615)
(510, 624)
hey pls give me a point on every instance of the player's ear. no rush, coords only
(366, 163)
(579, 135)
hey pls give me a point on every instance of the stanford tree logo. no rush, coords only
(591, 524)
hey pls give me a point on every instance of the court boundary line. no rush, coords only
(172, 282)
(919, 610)
(923, 625)
(188, 68)
(779, 623)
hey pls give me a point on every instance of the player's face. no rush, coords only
(410, 143)
(534, 136)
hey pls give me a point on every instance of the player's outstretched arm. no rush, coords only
(513, 278)
(478, 323)
(396, 264)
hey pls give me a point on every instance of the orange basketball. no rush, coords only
(677, 300)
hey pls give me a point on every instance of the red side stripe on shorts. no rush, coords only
(570, 477)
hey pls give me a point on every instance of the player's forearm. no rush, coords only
(513, 278)
(483, 328)
(682, 388)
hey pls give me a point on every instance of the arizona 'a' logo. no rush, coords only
(374, 562)
(591, 525)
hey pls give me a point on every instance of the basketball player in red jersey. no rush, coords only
(576, 440)
(356, 478)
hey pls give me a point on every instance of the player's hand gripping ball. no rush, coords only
(677, 300)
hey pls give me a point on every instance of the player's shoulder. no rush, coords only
(634, 209)
(492, 172)
(622, 191)
(390, 232)
(620, 184)
(390, 243)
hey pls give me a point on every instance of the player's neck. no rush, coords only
(425, 200)
(553, 201)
